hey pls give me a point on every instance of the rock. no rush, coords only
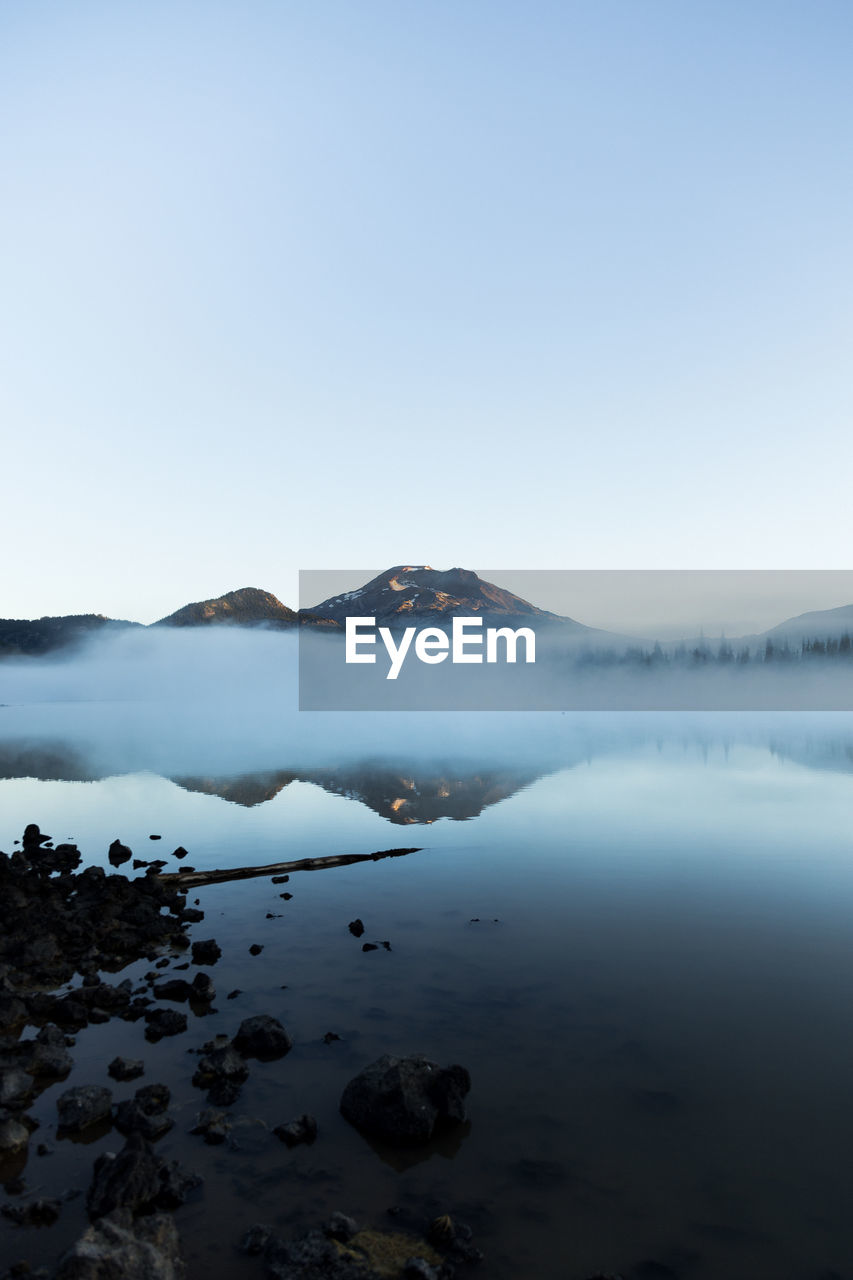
(370, 946)
(419, 1269)
(286, 896)
(192, 915)
(262, 1037)
(82, 1106)
(313, 1256)
(163, 1022)
(256, 1239)
(255, 949)
(180, 852)
(356, 928)
(303, 1129)
(117, 1248)
(176, 1182)
(33, 838)
(37, 1213)
(129, 1180)
(50, 1057)
(126, 1068)
(280, 879)
(202, 988)
(12, 1011)
(340, 1227)
(206, 951)
(401, 1100)
(221, 1071)
(15, 1087)
(330, 1037)
(232, 995)
(119, 853)
(13, 1137)
(155, 837)
(145, 1112)
(213, 1126)
(174, 989)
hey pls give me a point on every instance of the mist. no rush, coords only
(223, 701)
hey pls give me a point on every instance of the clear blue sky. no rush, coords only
(319, 285)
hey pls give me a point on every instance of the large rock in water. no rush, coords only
(262, 1037)
(401, 1100)
(129, 1180)
(117, 1248)
(83, 1106)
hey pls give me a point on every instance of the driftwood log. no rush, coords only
(194, 879)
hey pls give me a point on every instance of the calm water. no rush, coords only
(638, 937)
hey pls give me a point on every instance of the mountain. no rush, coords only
(22, 636)
(245, 607)
(405, 592)
(820, 624)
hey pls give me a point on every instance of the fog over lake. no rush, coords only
(634, 929)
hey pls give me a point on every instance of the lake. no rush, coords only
(636, 932)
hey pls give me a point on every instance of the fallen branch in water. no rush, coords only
(192, 879)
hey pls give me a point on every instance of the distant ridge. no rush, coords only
(406, 592)
(819, 624)
(245, 607)
(21, 637)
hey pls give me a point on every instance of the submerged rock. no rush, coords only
(126, 1068)
(214, 1126)
(402, 1100)
(35, 1213)
(303, 1129)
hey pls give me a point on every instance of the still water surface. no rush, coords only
(641, 946)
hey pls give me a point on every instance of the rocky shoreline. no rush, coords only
(65, 927)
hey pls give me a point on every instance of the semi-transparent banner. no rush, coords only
(414, 638)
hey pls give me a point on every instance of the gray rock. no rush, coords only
(50, 1057)
(145, 1112)
(221, 1071)
(176, 1182)
(419, 1269)
(314, 1257)
(126, 1068)
(214, 1126)
(256, 1239)
(401, 1100)
(206, 951)
(14, 1136)
(35, 1213)
(15, 1087)
(202, 988)
(262, 1037)
(341, 1227)
(303, 1129)
(117, 1248)
(83, 1106)
(129, 1180)
(163, 1022)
